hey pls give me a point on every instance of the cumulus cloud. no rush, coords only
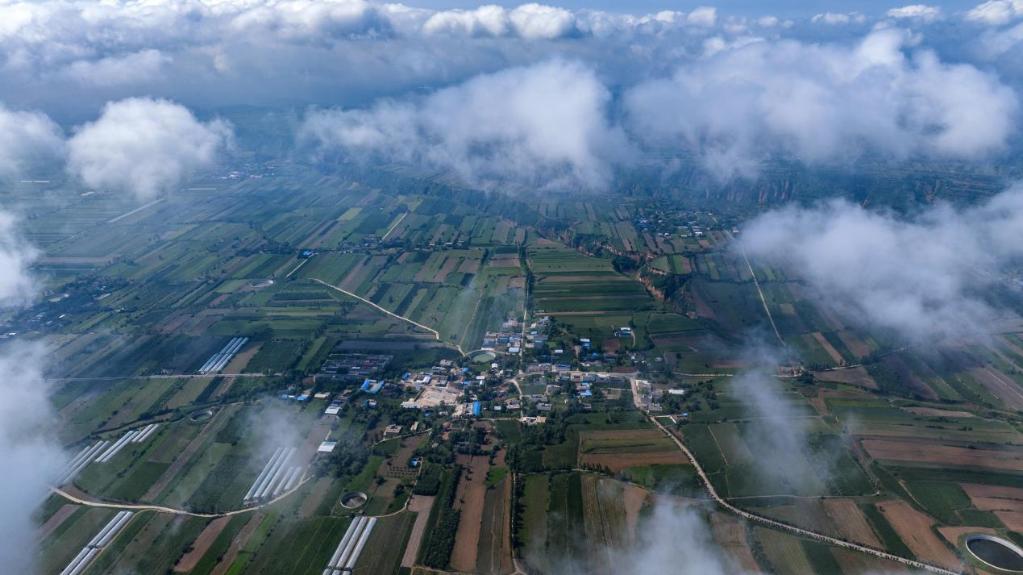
(921, 278)
(823, 104)
(26, 138)
(920, 12)
(144, 146)
(996, 12)
(544, 125)
(838, 18)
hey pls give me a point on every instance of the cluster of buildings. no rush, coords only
(507, 340)
(353, 366)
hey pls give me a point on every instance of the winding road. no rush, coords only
(791, 528)
(172, 510)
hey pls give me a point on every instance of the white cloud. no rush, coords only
(921, 12)
(542, 125)
(996, 12)
(529, 21)
(822, 104)
(921, 277)
(26, 138)
(703, 16)
(117, 70)
(31, 454)
(144, 147)
(839, 18)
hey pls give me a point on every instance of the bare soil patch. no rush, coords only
(1012, 519)
(936, 412)
(830, 349)
(421, 505)
(470, 497)
(914, 528)
(730, 534)
(56, 520)
(1010, 459)
(851, 523)
(851, 376)
(994, 497)
(239, 542)
(619, 461)
(201, 545)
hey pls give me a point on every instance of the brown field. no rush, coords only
(1012, 519)
(830, 349)
(806, 513)
(449, 266)
(994, 497)
(952, 534)
(936, 412)
(494, 555)
(1000, 385)
(730, 533)
(239, 541)
(619, 461)
(914, 528)
(854, 344)
(421, 505)
(242, 358)
(1010, 459)
(634, 499)
(470, 498)
(851, 523)
(55, 520)
(852, 376)
(201, 545)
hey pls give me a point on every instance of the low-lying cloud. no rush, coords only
(31, 455)
(921, 277)
(823, 104)
(144, 147)
(26, 138)
(544, 125)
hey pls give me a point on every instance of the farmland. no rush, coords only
(237, 331)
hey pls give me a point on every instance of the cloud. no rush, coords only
(144, 146)
(777, 432)
(117, 70)
(996, 12)
(308, 20)
(921, 278)
(17, 287)
(920, 12)
(823, 104)
(544, 125)
(26, 138)
(838, 18)
(31, 454)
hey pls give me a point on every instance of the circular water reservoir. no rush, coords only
(353, 500)
(996, 552)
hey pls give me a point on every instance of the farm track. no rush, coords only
(172, 510)
(435, 333)
(798, 531)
